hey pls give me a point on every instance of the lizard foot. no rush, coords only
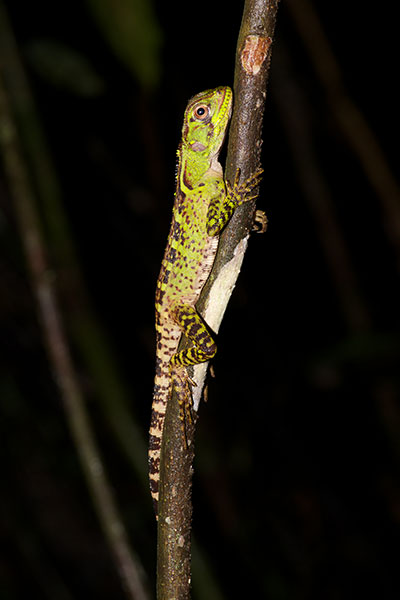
(260, 222)
(182, 385)
(241, 191)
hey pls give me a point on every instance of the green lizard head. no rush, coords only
(205, 122)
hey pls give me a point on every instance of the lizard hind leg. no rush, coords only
(203, 349)
(193, 327)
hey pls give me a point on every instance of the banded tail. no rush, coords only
(162, 392)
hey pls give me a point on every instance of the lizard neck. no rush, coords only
(193, 166)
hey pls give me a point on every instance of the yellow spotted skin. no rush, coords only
(203, 205)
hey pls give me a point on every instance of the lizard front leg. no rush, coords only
(223, 206)
(204, 349)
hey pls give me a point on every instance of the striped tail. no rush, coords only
(162, 392)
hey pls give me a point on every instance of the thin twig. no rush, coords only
(176, 467)
(53, 331)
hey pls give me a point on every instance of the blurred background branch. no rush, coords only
(54, 336)
(350, 118)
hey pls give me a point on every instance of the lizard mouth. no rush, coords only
(225, 103)
(224, 114)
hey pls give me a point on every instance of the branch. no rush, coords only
(253, 55)
(244, 148)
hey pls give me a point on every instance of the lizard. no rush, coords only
(204, 203)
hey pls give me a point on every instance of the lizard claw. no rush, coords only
(240, 190)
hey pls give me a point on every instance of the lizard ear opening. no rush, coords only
(197, 147)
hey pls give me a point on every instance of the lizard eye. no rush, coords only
(201, 112)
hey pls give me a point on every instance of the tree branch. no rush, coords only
(244, 148)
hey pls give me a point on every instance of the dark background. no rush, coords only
(296, 487)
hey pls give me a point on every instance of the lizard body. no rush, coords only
(204, 202)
